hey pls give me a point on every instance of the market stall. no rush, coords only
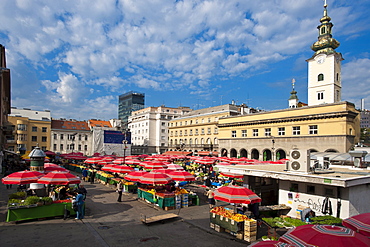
(36, 212)
(224, 219)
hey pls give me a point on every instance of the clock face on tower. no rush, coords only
(320, 59)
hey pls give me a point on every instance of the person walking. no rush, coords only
(119, 190)
(92, 176)
(211, 199)
(84, 174)
(80, 206)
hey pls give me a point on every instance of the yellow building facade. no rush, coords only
(29, 131)
(197, 131)
(271, 135)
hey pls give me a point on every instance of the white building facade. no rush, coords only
(149, 127)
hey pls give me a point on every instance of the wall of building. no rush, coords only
(359, 199)
(303, 198)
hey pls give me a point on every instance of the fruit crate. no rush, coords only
(231, 225)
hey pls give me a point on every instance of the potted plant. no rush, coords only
(32, 200)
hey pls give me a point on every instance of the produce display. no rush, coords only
(229, 214)
(104, 174)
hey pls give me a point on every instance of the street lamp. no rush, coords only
(124, 150)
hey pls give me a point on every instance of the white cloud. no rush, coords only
(356, 81)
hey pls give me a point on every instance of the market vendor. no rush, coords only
(63, 193)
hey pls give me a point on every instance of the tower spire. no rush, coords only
(326, 43)
(293, 99)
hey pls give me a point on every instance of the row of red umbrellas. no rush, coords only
(27, 177)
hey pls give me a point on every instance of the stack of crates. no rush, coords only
(250, 230)
(178, 201)
(184, 200)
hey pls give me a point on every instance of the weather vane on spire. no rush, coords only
(293, 82)
(325, 4)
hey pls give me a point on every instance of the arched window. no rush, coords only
(323, 30)
(337, 76)
(320, 77)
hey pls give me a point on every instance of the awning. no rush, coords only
(11, 152)
(204, 153)
(177, 153)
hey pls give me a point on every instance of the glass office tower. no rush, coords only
(127, 103)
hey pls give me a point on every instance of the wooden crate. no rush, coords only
(250, 239)
(169, 208)
(212, 225)
(250, 234)
(248, 223)
(219, 228)
(240, 235)
(250, 228)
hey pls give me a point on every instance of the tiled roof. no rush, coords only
(100, 123)
(69, 125)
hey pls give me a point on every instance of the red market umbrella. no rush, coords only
(205, 161)
(51, 165)
(181, 176)
(119, 161)
(231, 175)
(163, 170)
(108, 167)
(270, 243)
(93, 160)
(324, 235)
(153, 165)
(104, 162)
(359, 223)
(236, 194)
(54, 169)
(155, 178)
(224, 164)
(23, 177)
(61, 178)
(135, 176)
(175, 167)
(132, 162)
(121, 169)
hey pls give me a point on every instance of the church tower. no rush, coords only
(293, 99)
(324, 67)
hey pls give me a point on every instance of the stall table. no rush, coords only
(162, 199)
(52, 210)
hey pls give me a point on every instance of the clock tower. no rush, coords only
(324, 67)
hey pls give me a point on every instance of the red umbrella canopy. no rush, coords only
(205, 161)
(153, 165)
(359, 223)
(93, 160)
(51, 165)
(104, 162)
(163, 170)
(108, 167)
(224, 163)
(155, 178)
(271, 243)
(121, 169)
(61, 178)
(175, 167)
(135, 176)
(23, 177)
(54, 168)
(324, 235)
(181, 176)
(236, 194)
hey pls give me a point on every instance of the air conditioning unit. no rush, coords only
(299, 161)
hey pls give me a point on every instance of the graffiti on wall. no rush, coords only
(314, 203)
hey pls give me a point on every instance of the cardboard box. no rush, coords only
(169, 208)
(212, 225)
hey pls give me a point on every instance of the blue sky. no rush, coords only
(75, 57)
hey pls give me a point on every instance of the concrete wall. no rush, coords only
(314, 201)
(359, 199)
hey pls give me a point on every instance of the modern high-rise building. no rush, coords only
(127, 103)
